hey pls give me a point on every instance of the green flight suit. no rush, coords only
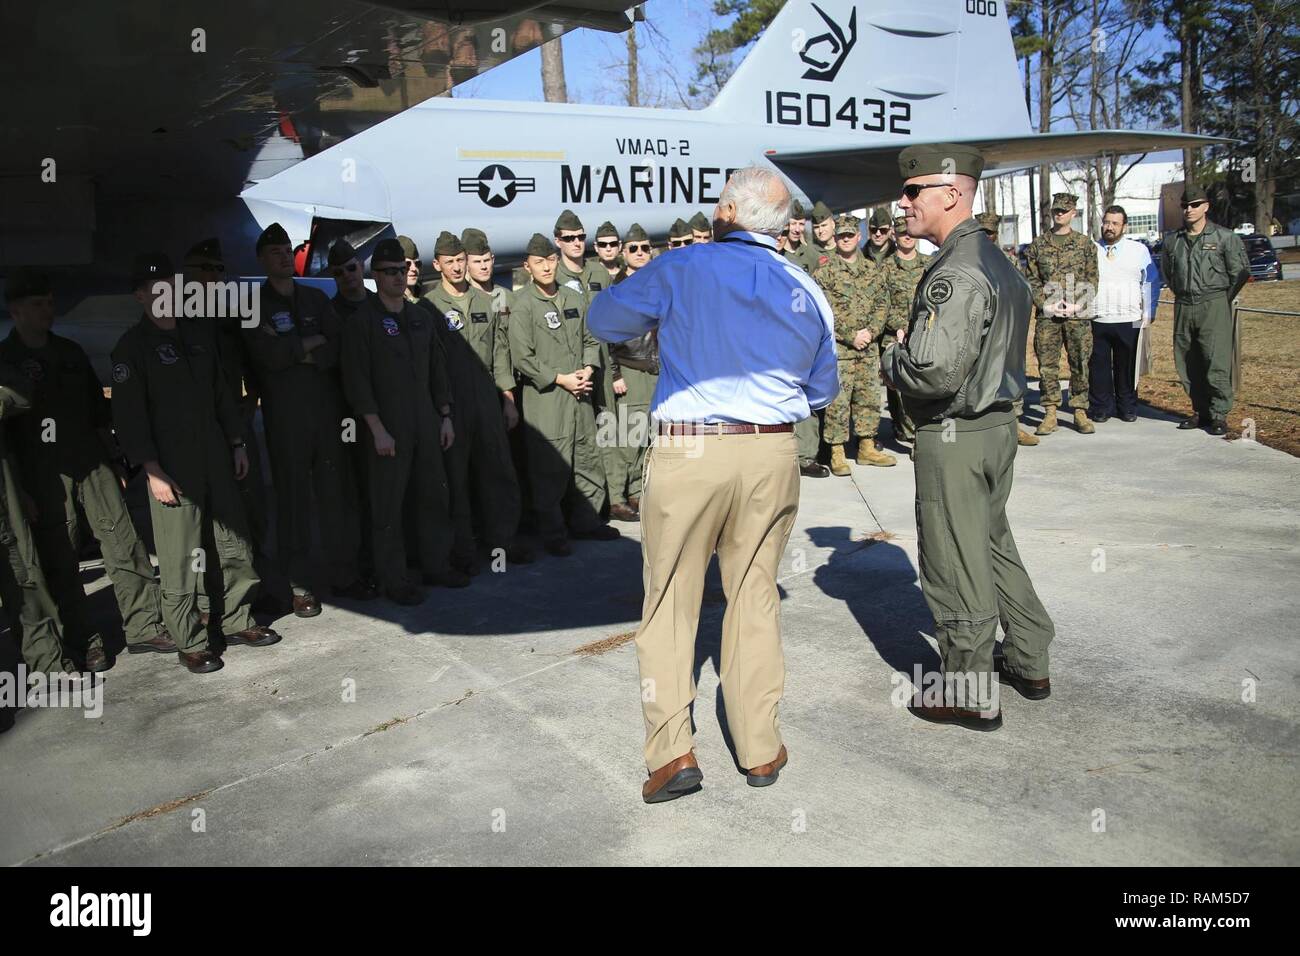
(614, 458)
(478, 462)
(899, 279)
(805, 256)
(63, 463)
(242, 383)
(171, 405)
(549, 337)
(851, 290)
(394, 367)
(345, 309)
(1205, 273)
(34, 620)
(304, 414)
(960, 370)
(808, 433)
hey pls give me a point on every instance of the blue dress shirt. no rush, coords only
(744, 334)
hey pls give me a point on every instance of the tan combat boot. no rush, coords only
(869, 454)
(1048, 424)
(839, 465)
(1024, 438)
(1083, 424)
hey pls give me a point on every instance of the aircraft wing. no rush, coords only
(880, 163)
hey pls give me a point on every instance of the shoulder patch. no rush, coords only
(938, 291)
(121, 372)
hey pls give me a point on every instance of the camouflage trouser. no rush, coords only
(1049, 333)
(859, 400)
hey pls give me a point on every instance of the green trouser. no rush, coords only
(624, 435)
(807, 435)
(126, 562)
(604, 402)
(971, 573)
(185, 536)
(252, 487)
(1203, 353)
(479, 467)
(416, 473)
(1075, 337)
(33, 615)
(904, 427)
(565, 472)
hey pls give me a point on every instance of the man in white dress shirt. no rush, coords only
(1127, 289)
(746, 350)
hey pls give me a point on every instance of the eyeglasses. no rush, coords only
(389, 271)
(607, 243)
(678, 243)
(637, 247)
(580, 237)
(1195, 203)
(412, 262)
(216, 267)
(881, 230)
(1057, 212)
(912, 190)
(350, 267)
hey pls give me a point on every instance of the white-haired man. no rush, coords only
(747, 349)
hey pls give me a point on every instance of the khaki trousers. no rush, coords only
(736, 495)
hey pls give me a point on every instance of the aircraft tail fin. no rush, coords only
(923, 69)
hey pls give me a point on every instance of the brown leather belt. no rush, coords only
(725, 428)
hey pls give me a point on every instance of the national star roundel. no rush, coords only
(497, 185)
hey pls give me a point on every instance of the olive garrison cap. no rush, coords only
(448, 244)
(988, 221)
(388, 250)
(152, 266)
(846, 224)
(568, 220)
(797, 211)
(475, 242)
(409, 249)
(680, 229)
(539, 245)
(606, 230)
(24, 282)
(880, 216)
(1194, 193)
(340, 252)
(207, 249)
(272, 235)
(635, 234)
(940, 158)
(1065, 201)
(700, 223)
(821, 212)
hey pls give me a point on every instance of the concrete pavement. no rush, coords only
(469, 731)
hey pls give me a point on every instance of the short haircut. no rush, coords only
(762, 200)
(1117, 209)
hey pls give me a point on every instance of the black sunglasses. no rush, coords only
(216, 267)
(912, 190)
(1057, 212)
(350, 267)
(580, 237)
(881, 230)
(678, 243)
(607, 243)
(389, 270)
(637, 247)
(1194, 203)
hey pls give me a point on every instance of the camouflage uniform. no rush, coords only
(895, 291)
(1066, 267)
(851, 287)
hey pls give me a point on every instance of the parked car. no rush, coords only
(1264, 263)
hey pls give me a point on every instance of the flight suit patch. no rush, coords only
(570, 313)
(121, 372)
(939, 291)
(454, 321)
(167, 354)
(390, 326)
(283, 322)
(552, 320)
(573, 284)
(478, 317)
(594, 286)
(34, 370)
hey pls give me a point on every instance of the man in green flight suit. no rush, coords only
(176, 418)
(571, 244)
(478, 363)
(822, 247)
(798, 247)
(679, 234)
(556, 357)
(63, 448)
(811, 255)
(899, 275)
(395, 378)
(1206, 266)
(849, 281)
(960, 369)
(1061, 266)
(295, 352)
(701, 228)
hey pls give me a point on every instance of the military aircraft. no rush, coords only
(828, 95)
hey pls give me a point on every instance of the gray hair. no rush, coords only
(761, 198)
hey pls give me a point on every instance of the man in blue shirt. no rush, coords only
(746, 350)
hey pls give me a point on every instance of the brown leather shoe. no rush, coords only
(305, 605)
(258, 636)
(1027, 688)
(161, 643)
(765, 775)
(970, 719)
(97, 660)
(634, 503)
(674, 779)
(200, 662)
(621, 512)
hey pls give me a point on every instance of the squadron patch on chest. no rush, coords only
(282, 321)
(454, 321)
(390, 326)
(167, 354)
(121, 372)
(938, 292)
(552, 320)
